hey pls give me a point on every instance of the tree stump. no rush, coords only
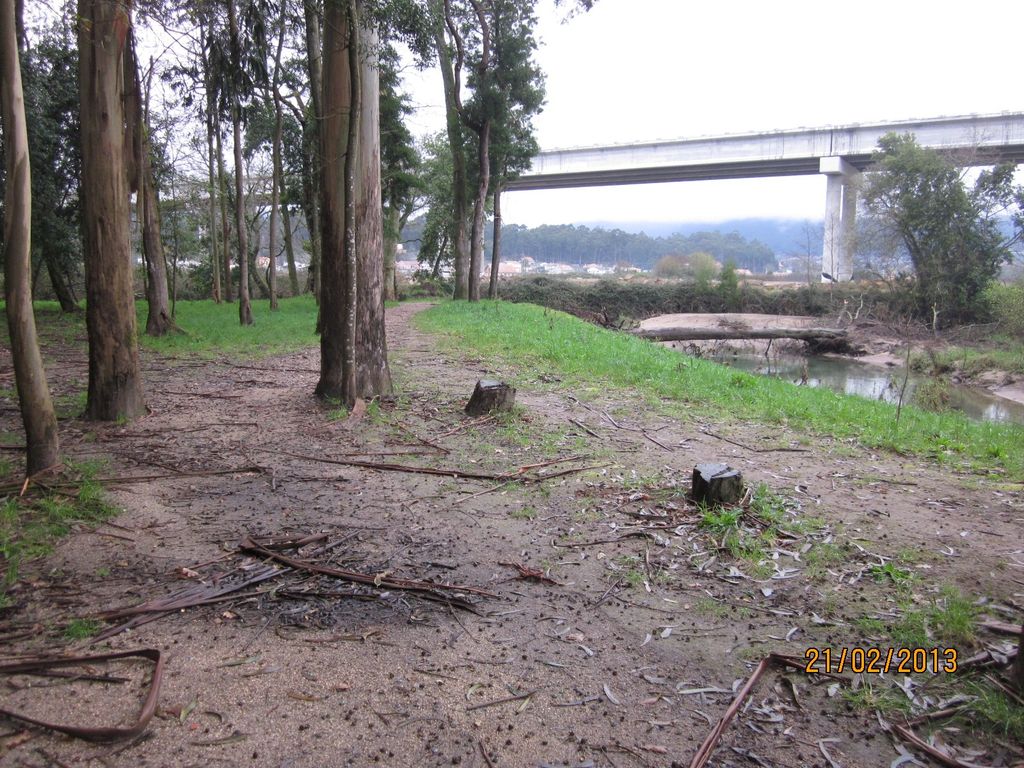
(489, 395)
(715, 484)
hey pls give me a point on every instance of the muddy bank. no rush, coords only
(867, 341)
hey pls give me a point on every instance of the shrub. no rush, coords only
(1006, 306)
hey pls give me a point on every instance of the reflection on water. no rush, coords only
(874, 382)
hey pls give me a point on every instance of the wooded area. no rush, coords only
(306, 102)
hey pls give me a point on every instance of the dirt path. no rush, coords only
(627, 659)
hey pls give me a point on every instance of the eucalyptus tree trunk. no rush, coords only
(115, 386)
(60, 283)
(392, 231)
(275, 206)
(314, 176)
(158, 321)
(339, 129)
(277, 176)
(289, 249)
(225, 225)
(42, 446)
(244, 304)
(211, 111)
(476, 258)
(214, 250)
(373, 377)
(456, 142)
(492, 292)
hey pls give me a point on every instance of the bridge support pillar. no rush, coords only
(840, 218)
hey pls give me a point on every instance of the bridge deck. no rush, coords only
(987, 139)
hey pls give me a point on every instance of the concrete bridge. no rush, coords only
(839, 152)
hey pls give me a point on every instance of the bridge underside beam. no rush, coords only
(731, 169)
(660, 175)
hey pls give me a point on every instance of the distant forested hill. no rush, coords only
(754, 244)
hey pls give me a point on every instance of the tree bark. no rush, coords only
(60, 283)
(373, 377)
(391, 235)
(244, 304)
(461, 256)
(492, 291)
(225, 225)
(289, 249)
(158, 320)
(277, 175)
(339, 128)
(480, 210)
(37, 414)
(211, 112)
(115, 387)
(314, 63)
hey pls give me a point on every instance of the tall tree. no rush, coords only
(312, 170)
(115, 386)
(277, 175)
(212, 125)
(373, 375)
(37, 414)
(451, 72)
(236, 95)
(493, 41)
(518, 94)
(158, 319)
(339, 128)
(400, 163)
(50, 72)
(950, 230)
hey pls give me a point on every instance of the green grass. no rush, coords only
(530, 339)
(996, 713)
(950, 621)
(212, 329)
(972, 362)
(30, 526)
(890, 572)
(81, 629)
(523, 513)
(205, 329)
(881, 697)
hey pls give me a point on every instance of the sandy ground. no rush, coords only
(625, 660)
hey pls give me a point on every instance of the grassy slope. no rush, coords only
(530, 336)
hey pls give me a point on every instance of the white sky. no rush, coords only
(633, 70)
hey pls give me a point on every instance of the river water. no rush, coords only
(871, 381)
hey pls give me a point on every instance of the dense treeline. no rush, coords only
(572, 244)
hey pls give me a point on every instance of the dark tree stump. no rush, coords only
(490, 396)
(715, 484)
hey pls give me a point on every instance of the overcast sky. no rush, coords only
(633, 70)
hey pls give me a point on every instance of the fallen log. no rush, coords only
(726, 334)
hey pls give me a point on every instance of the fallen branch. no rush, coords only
(380, 580)
(64, 484)
(519, 474)
(711, 742)
(505, 700)
(716, 334)
(585, 428)
(534, 574)
(146, 713)
(467, 425)
(745, 447)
